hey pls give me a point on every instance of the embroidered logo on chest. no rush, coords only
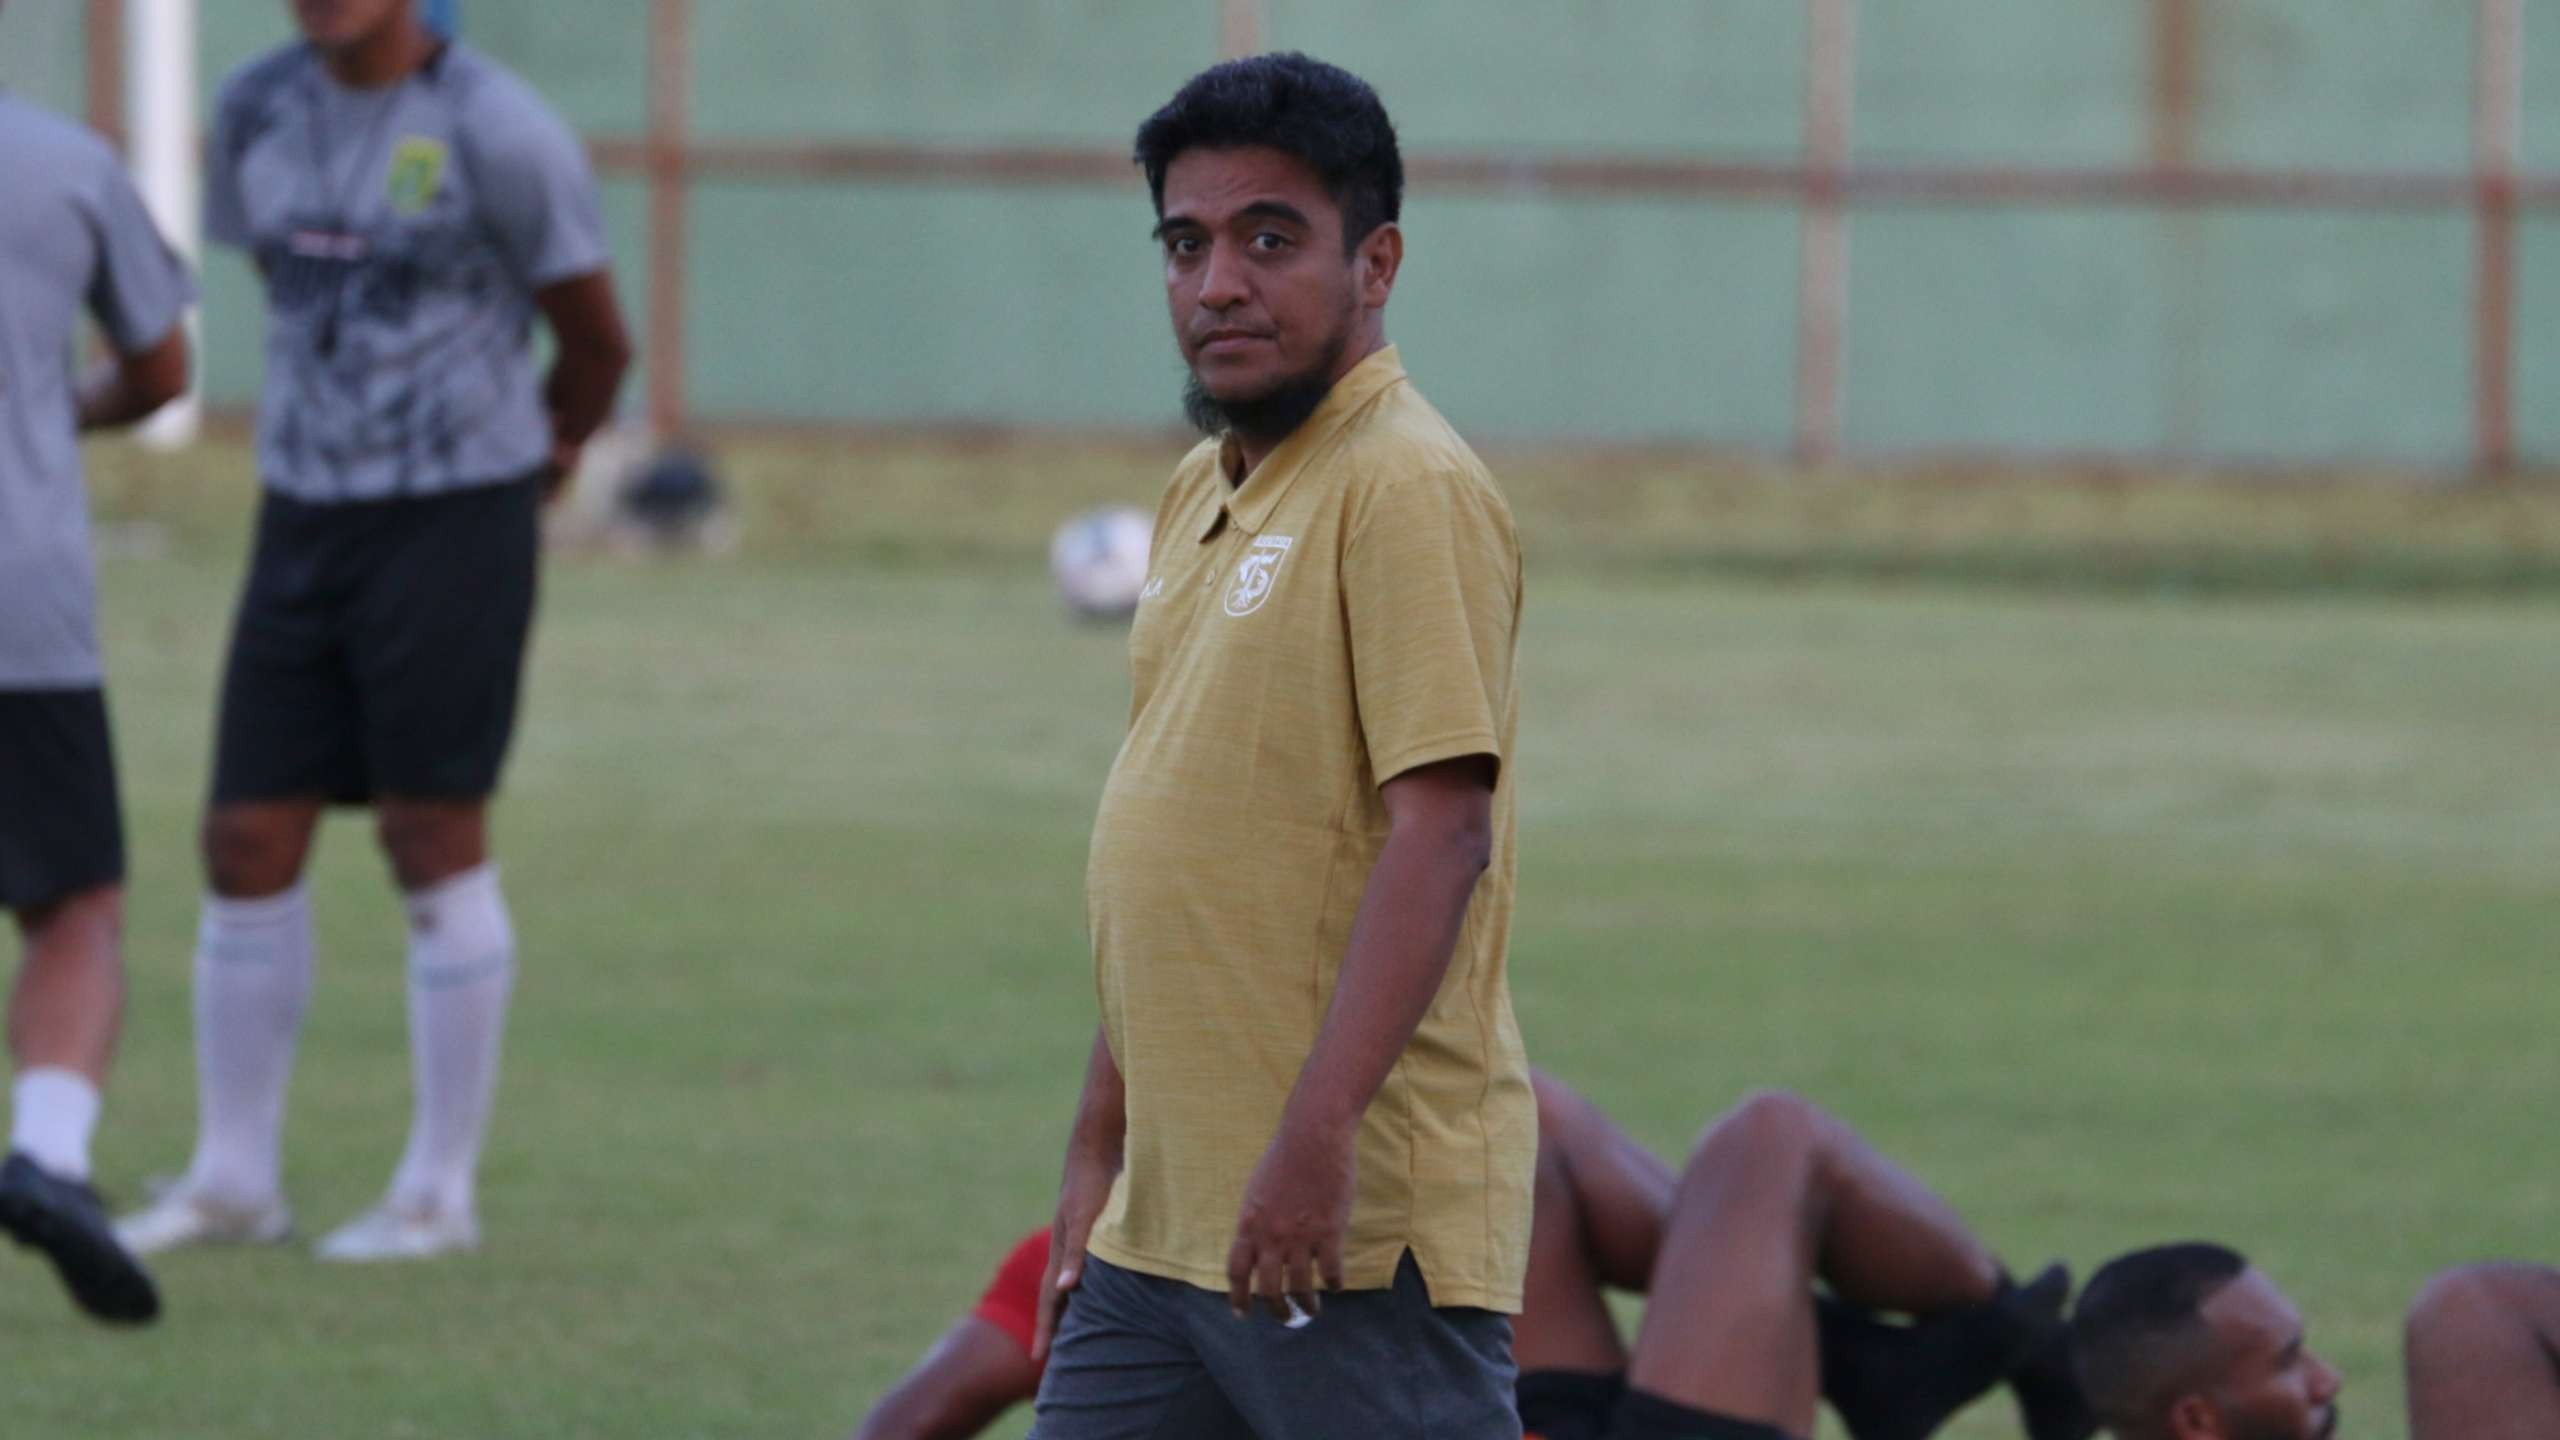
(417, 174)
(1254, 576)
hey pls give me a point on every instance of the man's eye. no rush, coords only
(1270, 242)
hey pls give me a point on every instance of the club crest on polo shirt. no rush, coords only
(1260, 567)
(417, 174)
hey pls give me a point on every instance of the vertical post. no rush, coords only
(2173, 84)
(2497, 86)
(669, 124)
(1239, 28)
(2172, 151)
(1822, 272)
(161, 91)
(105, 65)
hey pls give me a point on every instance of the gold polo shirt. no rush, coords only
(1350, 612)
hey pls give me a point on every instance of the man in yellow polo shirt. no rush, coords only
(1296, 1199)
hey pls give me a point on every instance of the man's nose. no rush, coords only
(1223, 284)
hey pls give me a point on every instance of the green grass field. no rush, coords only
(2119, 913)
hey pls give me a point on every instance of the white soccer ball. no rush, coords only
(1099, 560)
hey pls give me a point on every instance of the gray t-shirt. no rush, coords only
(73, 237)
(402, 233)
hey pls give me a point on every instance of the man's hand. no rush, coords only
(1094, 1151)
(1083, 1192)
(131, 387)
(594, 351)
(1297, 1209)
(559, 470)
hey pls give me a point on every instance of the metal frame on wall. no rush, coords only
(1823, 181)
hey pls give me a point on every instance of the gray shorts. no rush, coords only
(1138, 1357)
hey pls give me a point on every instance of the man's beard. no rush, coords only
(2327, 1429)
(1276, 412)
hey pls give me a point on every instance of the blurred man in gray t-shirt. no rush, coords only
(74, 238)
(412, 208)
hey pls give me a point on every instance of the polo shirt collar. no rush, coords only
(1250, 505)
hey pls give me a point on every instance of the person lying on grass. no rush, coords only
(1788, 1261)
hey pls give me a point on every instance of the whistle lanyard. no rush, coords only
(338, 193)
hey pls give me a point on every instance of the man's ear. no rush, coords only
(1380, 256)
(2193, 1417)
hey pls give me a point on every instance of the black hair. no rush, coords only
(2138, 1330)
(1322, 114)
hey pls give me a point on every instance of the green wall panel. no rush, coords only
(229, 34)
(1597, 75)
(2335, 84)
(2326, 336)
(2261, 335)
(2257, 336)
(1989, 328)
(1053, 71)
(2537, 376)
(42, 57)
(1629, 320)
(2542, 85)
(626, 218)
(235, 328)
(591, 60)
(2047, 82)
(928, 303)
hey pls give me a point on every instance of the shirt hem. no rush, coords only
(95, 684)
(1443, 1296)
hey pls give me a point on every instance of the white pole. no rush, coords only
(160, 91)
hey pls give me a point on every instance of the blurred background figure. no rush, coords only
(75, 240)
(411, 207)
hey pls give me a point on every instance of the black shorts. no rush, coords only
(379, 647)
(60, 830)
(1568, 1404)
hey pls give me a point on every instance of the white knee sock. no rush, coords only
(462, 964)
(253, 979)
(52, 1112)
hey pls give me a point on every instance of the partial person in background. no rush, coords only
(412, 208)
(74, 237)
(1777, 1196)
(2483, 1355)
(1769, 1262)
(2191, 1342)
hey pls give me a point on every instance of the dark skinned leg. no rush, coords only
(257, 848)
(1564, 1323)
(431, 841)
(1775, 1194)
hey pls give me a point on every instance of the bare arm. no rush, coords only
(128, 388)
(594, 352)
(970, 1377)
(1298, 1204)
(1093, 1163)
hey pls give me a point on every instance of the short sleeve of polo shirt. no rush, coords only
(537, 192)
(1431, 591)
(140, 290)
